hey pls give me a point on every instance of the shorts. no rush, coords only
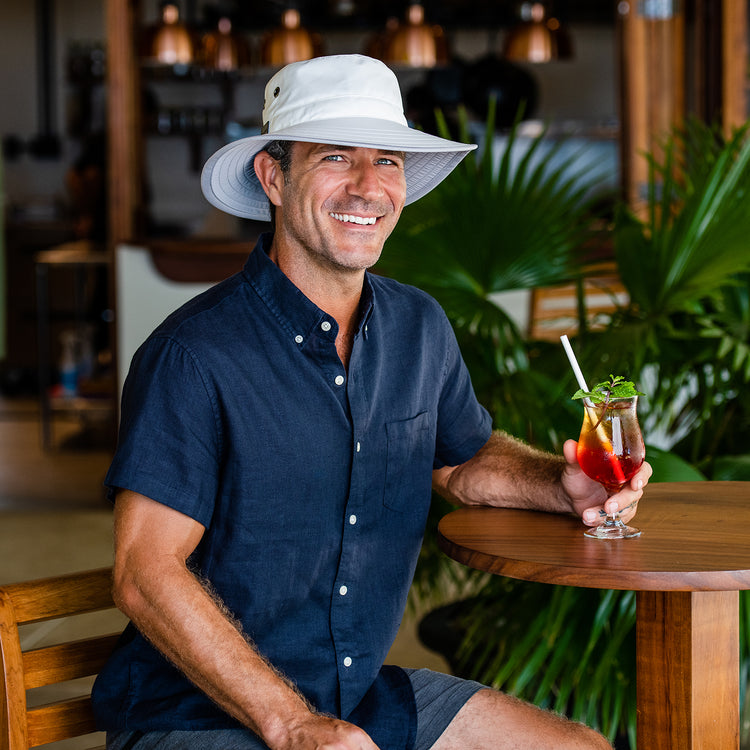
(438, 696)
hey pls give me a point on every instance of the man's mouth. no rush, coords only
(351, 219)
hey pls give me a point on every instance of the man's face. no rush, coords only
(340, 203)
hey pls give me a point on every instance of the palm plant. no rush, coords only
(684, 332)
(566, 649)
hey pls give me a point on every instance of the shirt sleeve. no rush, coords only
(169, 443)
(464, 425)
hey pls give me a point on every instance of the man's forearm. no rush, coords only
(188, 625)
(506, 473)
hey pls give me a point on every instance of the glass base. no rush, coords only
(612, 530)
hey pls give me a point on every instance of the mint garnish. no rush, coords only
(615, 387)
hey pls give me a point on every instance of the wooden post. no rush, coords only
(652, 71)
(734, 48)
(124, 124)
(688, 670)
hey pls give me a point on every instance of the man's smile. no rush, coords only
(351, 219)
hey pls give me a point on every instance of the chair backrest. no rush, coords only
(555, 310)
(21, 726)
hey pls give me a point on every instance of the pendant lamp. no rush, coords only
(416, 43)
(172, 43)
(289, 43)
(222, 49)
(538, 38)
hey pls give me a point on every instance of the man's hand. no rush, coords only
(317, 732)
(589, 499)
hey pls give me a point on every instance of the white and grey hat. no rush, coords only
(346, 100)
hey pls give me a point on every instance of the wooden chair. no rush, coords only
(555, 310)
(21, 726)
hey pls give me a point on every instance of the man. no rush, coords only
(280, 436)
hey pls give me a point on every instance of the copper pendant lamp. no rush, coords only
(289, 43)
(172, 43)
(538, 38)
(222, 49)
(416, 43)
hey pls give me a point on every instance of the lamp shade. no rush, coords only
(222, 49)
(172, 43)
(537, 39)
(416, 43)
(290, 42)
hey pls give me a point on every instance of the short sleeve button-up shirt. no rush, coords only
(313, 482)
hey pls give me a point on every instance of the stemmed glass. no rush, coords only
(610, 451)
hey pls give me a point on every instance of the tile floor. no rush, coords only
(53, 513)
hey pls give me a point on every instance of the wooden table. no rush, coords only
(687, 568)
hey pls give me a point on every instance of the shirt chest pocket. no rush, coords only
(409, 459)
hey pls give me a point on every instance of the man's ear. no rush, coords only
(269, 175)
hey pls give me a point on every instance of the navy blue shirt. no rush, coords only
(313, 483)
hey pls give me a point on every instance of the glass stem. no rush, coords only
(612, 518)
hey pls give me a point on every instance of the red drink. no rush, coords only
(606, 468)
(610, 448)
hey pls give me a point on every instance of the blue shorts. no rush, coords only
(439, 697)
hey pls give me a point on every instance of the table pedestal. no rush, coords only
(688, 670)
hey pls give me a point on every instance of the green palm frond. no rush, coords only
(500, 221)
(562, 648)
(727, 322)
(695, 238)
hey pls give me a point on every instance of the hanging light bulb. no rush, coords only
(537, 38)
(172, 44)
(289, 43)
(416, 43)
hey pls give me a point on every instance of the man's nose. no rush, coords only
(365, 181)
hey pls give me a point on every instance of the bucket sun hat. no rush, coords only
(345, 100)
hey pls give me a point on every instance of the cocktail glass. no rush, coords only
(610, 451)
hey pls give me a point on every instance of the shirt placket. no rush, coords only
(348, 634)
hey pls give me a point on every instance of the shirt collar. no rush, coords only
(298, 315)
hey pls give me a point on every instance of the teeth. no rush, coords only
(354, 219)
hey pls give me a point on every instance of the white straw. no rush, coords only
(574, 363)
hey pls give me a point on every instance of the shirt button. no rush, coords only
(343, 590)
(358, 446)
(298, 339)
(347, 661)
(325, 325)
(352, 519)
(339, 380)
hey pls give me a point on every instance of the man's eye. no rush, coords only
(333, 157)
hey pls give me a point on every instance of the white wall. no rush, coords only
(144, 299)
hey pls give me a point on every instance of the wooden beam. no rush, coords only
(652, 64)
(124, 123)
(734, 29)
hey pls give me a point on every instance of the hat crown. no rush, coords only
(333, 87)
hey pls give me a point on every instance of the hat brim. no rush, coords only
(229, 182)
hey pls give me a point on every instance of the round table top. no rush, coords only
(695, 537)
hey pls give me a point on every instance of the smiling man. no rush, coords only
(280, 438)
